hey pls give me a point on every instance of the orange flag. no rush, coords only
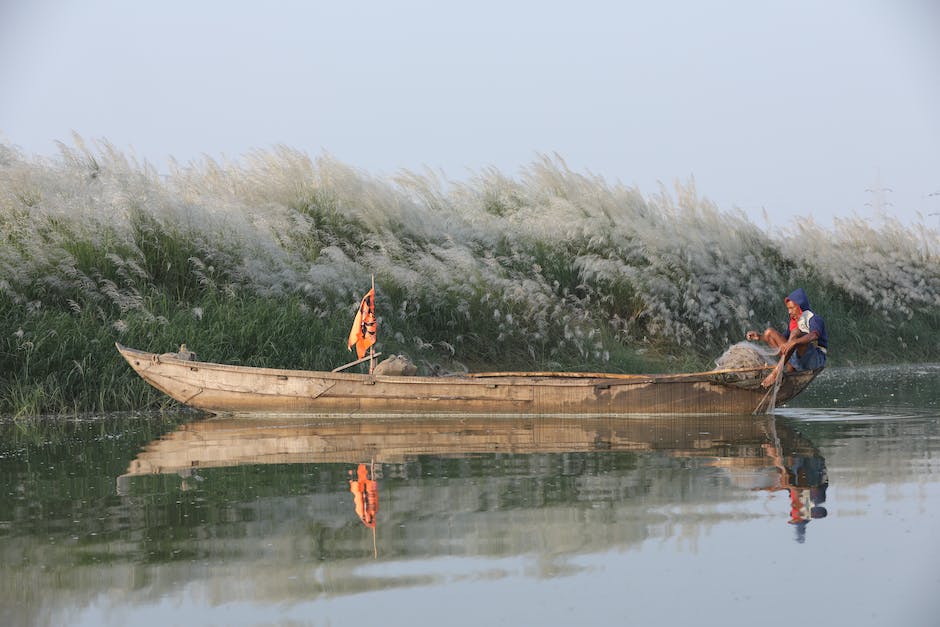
(362, 334)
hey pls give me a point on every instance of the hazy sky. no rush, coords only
(797, 106)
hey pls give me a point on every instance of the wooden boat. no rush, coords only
(228, 389)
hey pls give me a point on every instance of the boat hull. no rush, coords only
(227, 389)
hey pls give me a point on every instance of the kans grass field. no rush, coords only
(262, 261)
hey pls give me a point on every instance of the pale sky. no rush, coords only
(796, 107)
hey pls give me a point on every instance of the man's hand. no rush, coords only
(752, 335)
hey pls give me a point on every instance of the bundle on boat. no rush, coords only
(744, 356)
(397, 365)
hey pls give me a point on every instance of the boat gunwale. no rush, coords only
(479, 378)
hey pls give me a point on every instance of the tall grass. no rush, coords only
(263, 261)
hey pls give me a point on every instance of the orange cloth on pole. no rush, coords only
(362, 334)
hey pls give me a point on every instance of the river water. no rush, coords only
(828, 512)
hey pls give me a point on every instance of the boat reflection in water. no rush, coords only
(760, 453)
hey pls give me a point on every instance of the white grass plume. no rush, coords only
(563, 253)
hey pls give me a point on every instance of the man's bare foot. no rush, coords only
(769, 379)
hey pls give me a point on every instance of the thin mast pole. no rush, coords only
(372, 348)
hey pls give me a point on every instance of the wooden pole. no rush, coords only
(353, 363)
(375, 546)
(371, 348)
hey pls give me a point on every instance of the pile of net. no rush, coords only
(746, 355)
(397, 365)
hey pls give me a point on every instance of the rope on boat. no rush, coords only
(607, 375)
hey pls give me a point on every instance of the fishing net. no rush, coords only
(746, 355)
(750, 355)
(397, 366)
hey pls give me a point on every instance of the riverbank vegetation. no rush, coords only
(263, 262)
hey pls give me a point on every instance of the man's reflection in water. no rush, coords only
(365, 493)
(804, 477)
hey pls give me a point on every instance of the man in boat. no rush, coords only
(803, 344)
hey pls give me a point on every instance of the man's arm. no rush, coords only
(796, 340)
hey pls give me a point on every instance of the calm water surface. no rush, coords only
(828, 513)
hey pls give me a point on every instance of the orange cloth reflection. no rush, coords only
(798, 511)
(365, 493)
